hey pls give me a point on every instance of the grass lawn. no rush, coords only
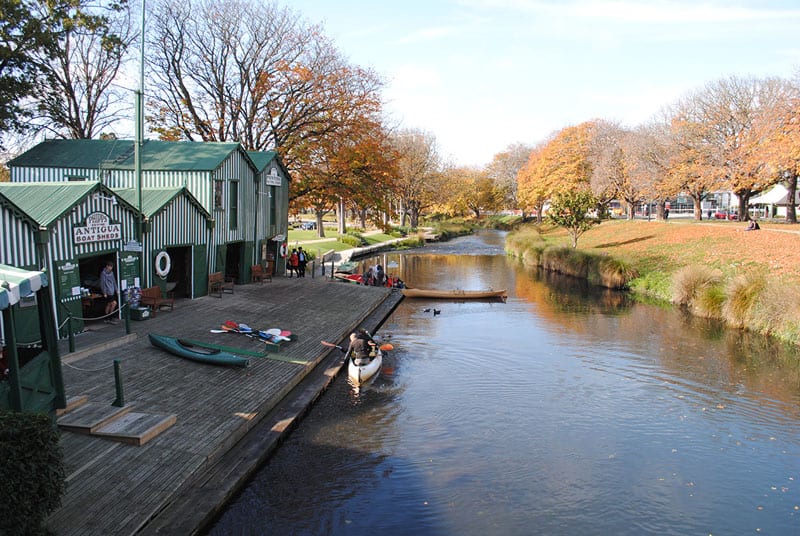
(667, 247)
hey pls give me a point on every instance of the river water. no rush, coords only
(565, 410)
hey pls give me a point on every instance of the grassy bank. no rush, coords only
(716, 270)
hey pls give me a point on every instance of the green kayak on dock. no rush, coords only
(196, 352)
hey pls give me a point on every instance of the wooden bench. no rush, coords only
(258, 273)
(156, 299)
(217, 284)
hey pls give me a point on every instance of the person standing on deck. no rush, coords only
(108, 287)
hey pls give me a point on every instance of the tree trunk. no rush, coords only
(744, 200)
(320, 228)
(791, 209)
(698, 207)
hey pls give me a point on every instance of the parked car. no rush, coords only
(726, 215)
(308, 225)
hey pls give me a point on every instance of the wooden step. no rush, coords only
(135, 428)
(73, 402)
(91, 416)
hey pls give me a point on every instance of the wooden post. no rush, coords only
(120, 400)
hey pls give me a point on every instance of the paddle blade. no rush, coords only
(386, 347)
(326, 343)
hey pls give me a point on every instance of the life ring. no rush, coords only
(163, 258)
(283, 250)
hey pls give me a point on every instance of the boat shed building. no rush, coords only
(227, 181)
(204, 207)
(69, 230)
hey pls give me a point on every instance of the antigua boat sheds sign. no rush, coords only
(98, 227)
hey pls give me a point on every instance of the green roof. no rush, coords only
(45, 202)
(157, 155)
(262, 158)
(154, 199)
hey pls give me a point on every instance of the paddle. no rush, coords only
(326, 343)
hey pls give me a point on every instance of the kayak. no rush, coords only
(360, 374)
(454, 294)
(196, 352)
(349, 278)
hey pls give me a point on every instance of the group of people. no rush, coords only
(753, 226)
(297, 262)
(377, 277)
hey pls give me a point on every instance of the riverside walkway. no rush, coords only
(227, 419)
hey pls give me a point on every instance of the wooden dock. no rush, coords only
(225, 421)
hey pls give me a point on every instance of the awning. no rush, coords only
(779, 195)
(16, 283)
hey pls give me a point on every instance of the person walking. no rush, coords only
(294, 263)
(108, 287)
(302, 260)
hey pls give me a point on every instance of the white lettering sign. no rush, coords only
(98, 228)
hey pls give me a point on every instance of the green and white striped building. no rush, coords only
(209, 206)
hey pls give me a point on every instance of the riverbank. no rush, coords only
(716, 270)
(227, 420)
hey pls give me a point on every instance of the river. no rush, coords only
(565, 410)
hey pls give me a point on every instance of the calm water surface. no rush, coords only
(565, 410)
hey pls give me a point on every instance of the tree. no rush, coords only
(254, 73)
(503, 169)
(571, 209)
(559, 164)
(721, 119)
(470, 189)
(74, 95)
(418, 169)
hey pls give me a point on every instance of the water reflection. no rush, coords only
(565, 410)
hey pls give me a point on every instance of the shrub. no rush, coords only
(613, 273)
(352, 239)
(688, 282)
(743, 292)
(32, 475)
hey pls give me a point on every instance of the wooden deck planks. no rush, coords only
(117, 488)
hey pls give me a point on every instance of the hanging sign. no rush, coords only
(98, 228)
(272, 179)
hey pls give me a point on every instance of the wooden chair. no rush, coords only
(217, 284)
(155, 299)
(257, 273)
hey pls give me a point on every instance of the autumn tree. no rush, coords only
(610, 165)
(470, 189)
(418, 173)
(717, 127)
(560, 164)
(250, 72)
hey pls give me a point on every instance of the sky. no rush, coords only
(481, 75)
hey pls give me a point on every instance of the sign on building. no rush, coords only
(98, 227)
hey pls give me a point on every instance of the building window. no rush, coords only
(233, 205)
(218, 186)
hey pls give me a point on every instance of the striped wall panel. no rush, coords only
(48, 174)
(17, 244)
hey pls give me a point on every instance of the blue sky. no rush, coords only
(482, 74)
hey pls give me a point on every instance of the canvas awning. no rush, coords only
(779, 195)
(16, 283)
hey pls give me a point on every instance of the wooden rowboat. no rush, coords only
(454, 294)
(360, 374)
(196, 352)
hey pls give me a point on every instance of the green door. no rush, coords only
(68, 299)
(199, 270)
(246, 262)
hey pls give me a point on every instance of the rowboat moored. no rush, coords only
(454, 294)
